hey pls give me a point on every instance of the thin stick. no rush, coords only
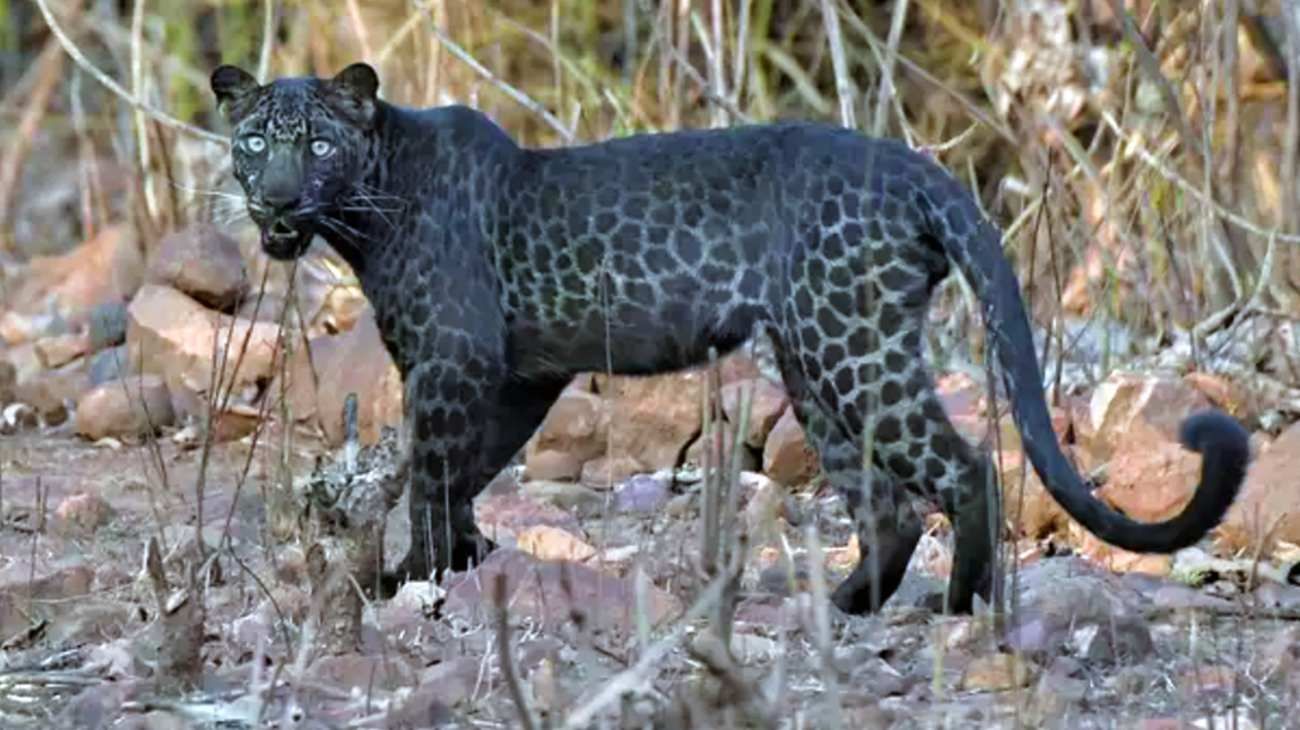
(80, 59)
(268, 33)
(843, 84)
(518, 96)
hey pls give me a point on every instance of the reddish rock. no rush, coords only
(1267, 505)
(171, 335)
(545, 542)
(551, 466)
(575, 431)
(59, 350)
(604, 472)
(354, 361)
(1150, 476)
(787, 457)
(1025, 501)
(652, 418)
(51, 392)
(767, 402)
(81, 514)
(106, 268)
(696, 451)
(1127, 408)
(203, 262)
(554, 593)
(127, 407)
(501, 517)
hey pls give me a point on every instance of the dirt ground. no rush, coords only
(604, 642)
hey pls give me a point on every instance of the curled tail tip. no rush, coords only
(1212, 430)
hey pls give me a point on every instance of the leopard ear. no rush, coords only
(234, 88)
(354, 93)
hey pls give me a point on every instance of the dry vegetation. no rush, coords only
(1143, 166)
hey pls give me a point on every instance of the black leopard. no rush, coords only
(497, 273)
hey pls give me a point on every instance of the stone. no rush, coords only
(171, 335)
(355, 361)
(1266, 508)
(604, 472)
(768, 402)
(642, 493)
(109, 365)
(996, 672)
(81, 514)
(107, 268)
(52, 392)
(203, 262)
(107, 325)
(502, 518)
(707, 443)
(556, 594)
(574, 431)
(129, 407)
(59, 350)
(545, 542)
(551, 466)
(787, 457)
(652, 418)
(1129, 407)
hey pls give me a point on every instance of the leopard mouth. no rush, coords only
(285, 241)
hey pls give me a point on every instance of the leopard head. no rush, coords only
(299, 145)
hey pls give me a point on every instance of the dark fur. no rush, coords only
(497, 273)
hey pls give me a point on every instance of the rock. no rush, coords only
(450, 682)
(107, 325)
(59, 350)
(1025, 501)
(768, 402)
(18, 417)
(1128, 409)
(203, 262)
(1266, 508)
(107, 268)
(354, 672)
(545, 542)
(575, 431)
(1125, 639)
(695, 453)
(109, 365)
(604, 472)
(653, 418)
(127, 407)
(787, 457)
(51, 393)
(996, 672)
(353, 362)
(502, 518)
(173, 336)
(566, 496)
(81, 514)
(555, 594)
(551, 466)
(642, 493)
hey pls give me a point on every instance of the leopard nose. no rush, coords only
(281, 201)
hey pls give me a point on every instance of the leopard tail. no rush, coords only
(975, 246)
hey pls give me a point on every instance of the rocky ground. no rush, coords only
(164, 420)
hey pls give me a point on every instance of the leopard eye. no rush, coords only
(254, 143)
(321, 147)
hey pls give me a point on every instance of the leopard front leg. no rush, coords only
(462, 435)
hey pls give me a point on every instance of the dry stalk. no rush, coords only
(49, 67)
(504, 656)
(80, 58)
